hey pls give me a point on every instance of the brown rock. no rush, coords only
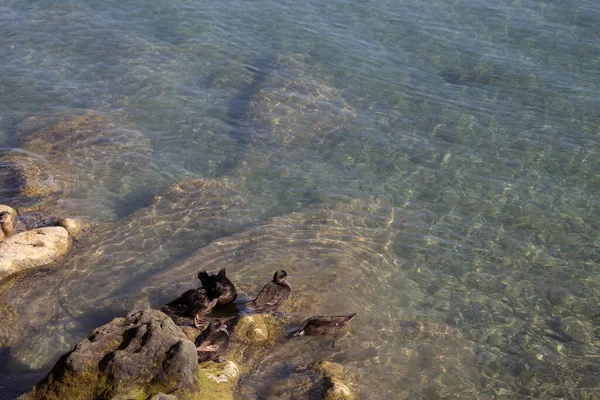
(140, 355)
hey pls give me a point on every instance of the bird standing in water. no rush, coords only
(212, 342)
(273, 294)
(6, 224)
(208, 279)
(323, 325)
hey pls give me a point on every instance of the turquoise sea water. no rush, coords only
(430, 161)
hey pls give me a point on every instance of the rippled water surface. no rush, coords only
(431, 163)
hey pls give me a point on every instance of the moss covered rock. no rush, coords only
(335, 380)
(77, 228)
(251, 329)
(216, 381)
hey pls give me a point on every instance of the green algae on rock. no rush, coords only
(216, 381)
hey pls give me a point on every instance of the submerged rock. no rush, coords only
(137, 356)
(297, 106)
(35, 219)
(32, 249)
(336, 381)
(11, 326)
(78, 163)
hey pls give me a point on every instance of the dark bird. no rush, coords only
(6, 224)
(273, 294)
(212, 342)
(208, 280)
(194, 303)
(323, 325)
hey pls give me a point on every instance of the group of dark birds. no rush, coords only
(196, 304)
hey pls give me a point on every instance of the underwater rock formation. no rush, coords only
(294, 117)
(297, 106)
(77, 163)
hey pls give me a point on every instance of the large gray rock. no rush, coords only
(136, 356)
(32, 249)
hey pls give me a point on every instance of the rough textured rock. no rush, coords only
(137, 356)
(162, 396)
(32, 249)
(337, 390)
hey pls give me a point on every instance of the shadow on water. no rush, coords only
(238, 108)
(13, 385)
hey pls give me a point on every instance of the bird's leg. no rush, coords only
(200, 322)
(220, 360)
(336, 336)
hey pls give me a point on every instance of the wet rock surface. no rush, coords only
(141, 354)
(32, 248)
(35, 219)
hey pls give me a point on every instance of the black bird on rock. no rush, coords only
(195, 303)
(273, 294)
(323, 325)
(212, 342)
(208, 280)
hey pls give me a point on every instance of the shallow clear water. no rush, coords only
(406, 161)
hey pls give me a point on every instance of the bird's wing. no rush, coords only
(269, 296)
(212, 342)
(184, 299)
